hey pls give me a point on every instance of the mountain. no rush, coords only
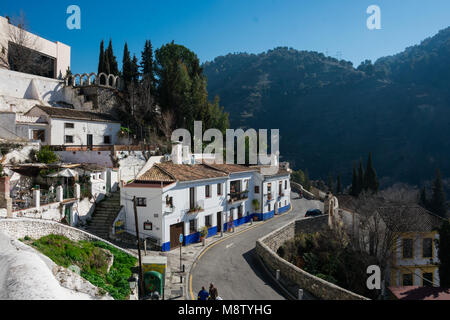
(331, 114)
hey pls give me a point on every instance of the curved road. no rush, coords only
(232, 266)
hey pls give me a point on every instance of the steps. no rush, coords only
(104, 215)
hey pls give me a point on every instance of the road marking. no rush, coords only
(220, 241)
(229, 245)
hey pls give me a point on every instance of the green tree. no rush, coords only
(147, 65)
(330, 183)
(307, 183)
(126, 66)
(46, 155)
(135, 70)
(101, 58)
(370, 177)
(181, 89)
(111, 61)
(437, 203)
(444, 254)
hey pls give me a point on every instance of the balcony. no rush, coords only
(238, 196)
(269, 196)
(196, 208)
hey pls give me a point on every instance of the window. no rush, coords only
(208, 191)
(239, 212)
(69, 125)
(148, 225)
(68, 139)
(407, 279)
(256, 189)
(39, 135)
(269, 187)
(141, 202)
(285, 184)
(269, 207)
(219, 189)
(427, 280)
(407, 248)
(427, 248)
(169, 201)
(208, 221)
(192, 228)
(107, 139)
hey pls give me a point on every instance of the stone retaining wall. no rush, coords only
(19, 228)
(267, 246)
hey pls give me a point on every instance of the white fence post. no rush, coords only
(77, 191)
(37, 198)
(59, 194)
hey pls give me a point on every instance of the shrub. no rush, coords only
(46, 155)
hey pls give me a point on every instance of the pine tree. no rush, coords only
(101, 58)
(355, 187)
(112, 61)
(135, 70)
(370, 177)
(307, 185)
(437, 203)
(338, 185)
(360, 178)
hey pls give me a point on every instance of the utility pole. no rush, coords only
(141, 275)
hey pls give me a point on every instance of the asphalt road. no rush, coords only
(232, 266)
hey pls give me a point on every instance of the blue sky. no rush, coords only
(216, 27)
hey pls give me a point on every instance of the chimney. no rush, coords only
(177, 154)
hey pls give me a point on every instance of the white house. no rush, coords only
(68, 127)
(181, 197)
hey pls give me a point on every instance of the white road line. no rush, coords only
(229, 245)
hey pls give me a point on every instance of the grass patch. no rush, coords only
(92, 260)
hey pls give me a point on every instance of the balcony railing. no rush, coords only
(198, 207)
(238, 196)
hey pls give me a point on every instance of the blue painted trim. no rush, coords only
(165, 246)
(284, 209)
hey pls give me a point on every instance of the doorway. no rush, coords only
(219, 221)
(90, 140)
(175, 231)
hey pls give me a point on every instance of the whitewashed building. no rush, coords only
(68, 127)
(178, 197)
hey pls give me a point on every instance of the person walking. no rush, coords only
(203, 294)
(212, 292)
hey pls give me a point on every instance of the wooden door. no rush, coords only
(175, 231)
(219, 221)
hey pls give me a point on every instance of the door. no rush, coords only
(175, 231)
(219, 221)
(90, 140)
(67, 214)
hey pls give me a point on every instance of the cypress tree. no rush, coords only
(339, 186)
(354, 190)
(370, 177)
(437, 204)
(147, 66)
(307, 185)
(360, 178)
(101, 58)
(126, 66)
(112, 61)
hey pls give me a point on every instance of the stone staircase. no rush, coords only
(104, 215)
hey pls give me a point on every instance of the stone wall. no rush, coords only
(19, 228)
(266, 249)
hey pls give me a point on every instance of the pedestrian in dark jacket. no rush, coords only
(203, 294)
(212, 292)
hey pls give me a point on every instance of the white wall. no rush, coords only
(80, 131)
